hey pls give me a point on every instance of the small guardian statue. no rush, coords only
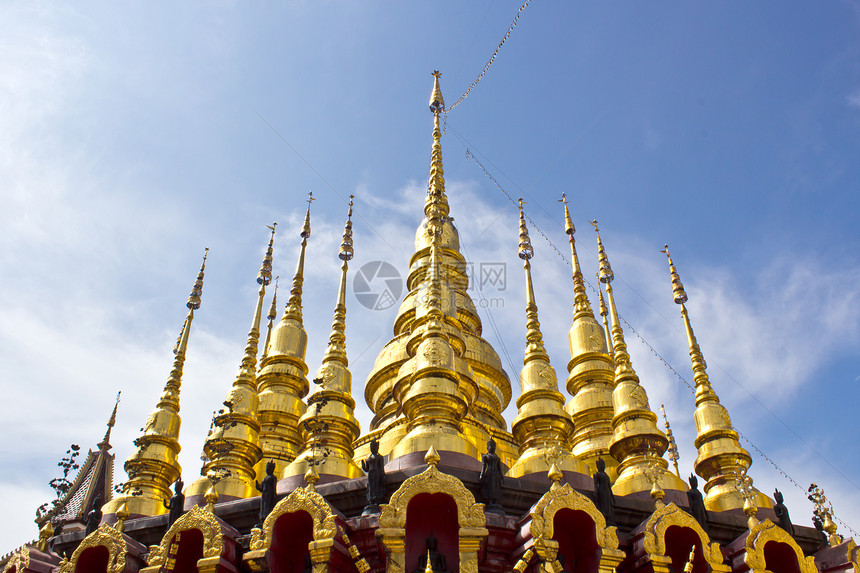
(176, 504)
(267, 492)
(374, 467)
(604, 498)
(94, 517)
(491, 478)
(697, 503)
(782, 513)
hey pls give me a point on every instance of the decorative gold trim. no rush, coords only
(665, 517)
(197, 518)
(20, 560)
(105, 536)
(565, 497)
(301, 499)
(764, 532)
(431, 480)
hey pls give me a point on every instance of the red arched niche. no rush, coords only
(289, 552)
(780, 557)
(93, 560)
(679, 542)
(577, 543)
(187, 549)
(436, 514)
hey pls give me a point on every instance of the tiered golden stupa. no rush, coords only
(290, 484)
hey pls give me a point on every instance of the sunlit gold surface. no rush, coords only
(282, 381)
(541, 422)
(329, 424)
(720, 456)
(590, 375)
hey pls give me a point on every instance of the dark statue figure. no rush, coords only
(697, 503)
(437, 560)
(604, 499)
(94, 517)
(491, 478)
(374, 467)
(782, 513)
(819, 526)
(267, 491)
(176, 505)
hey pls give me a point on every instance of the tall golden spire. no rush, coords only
(329, 424)
(541, 424)
(721, 458)
(483, 417)
(233, 447)
(282, 381)
(604, 313)
(590, 371)
(105, 443)
(637, 442)
(271, 316)
(154, 466)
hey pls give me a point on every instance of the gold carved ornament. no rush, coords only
(431, 480)
(565, 497)
(766, 531)
(105, 536)
(19, 561)
(301, 499)
(671, 515)
(197, 518)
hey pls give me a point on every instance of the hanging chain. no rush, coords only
(629, 327)
(492, 58)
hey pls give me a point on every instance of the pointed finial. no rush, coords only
(437, 103)
(678, 293)
(554, 474)
(526, 251)
(652, 474)
(197, 291)
(45, 535)
(428, 567)
(346, 251)
(211, 498)
(105, 443)
(265, 275)
(569, 229)
(688, 568)
(432, 457)
(744, 486)
(602, 302)
(605, 274)
(823, 511)
(673, 447)
(273, 309)
(306, 227)
(311, 477)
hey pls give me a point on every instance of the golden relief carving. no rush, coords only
(107, 537)
(764, 532)
(197, 518)
(639, 397)
(433, 354)
(19, 561)
(565, 497)
(431, 480)
(301, 499)
(665, 517)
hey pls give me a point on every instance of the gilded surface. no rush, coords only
(197, 518)
(665, 517)
(105, 536)
(764, 532)
(431, 480)
(19, 561)
(301, 499)
(565, 497)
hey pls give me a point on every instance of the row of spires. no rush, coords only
(438, 387)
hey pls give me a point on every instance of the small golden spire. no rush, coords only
(211, 498)
(428, 567)
(673, 447)
(431, 458)
(721, 457)
(150, 469)
(437, 103)
(436, 206)
(330, 417)
(105, 443)
(688, 568)
(744, 486)
(271, 316)
(554, 474)
(294, 304)
(541, 419)
(45, 534)
(121, 514)
(653, 472)
(637, 443)
(233, 447)
(590, 370)
(311, 477)
(604, 313)
(824, 511)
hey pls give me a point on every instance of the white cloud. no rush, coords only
(854, 99)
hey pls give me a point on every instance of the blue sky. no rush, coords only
(132, 136)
